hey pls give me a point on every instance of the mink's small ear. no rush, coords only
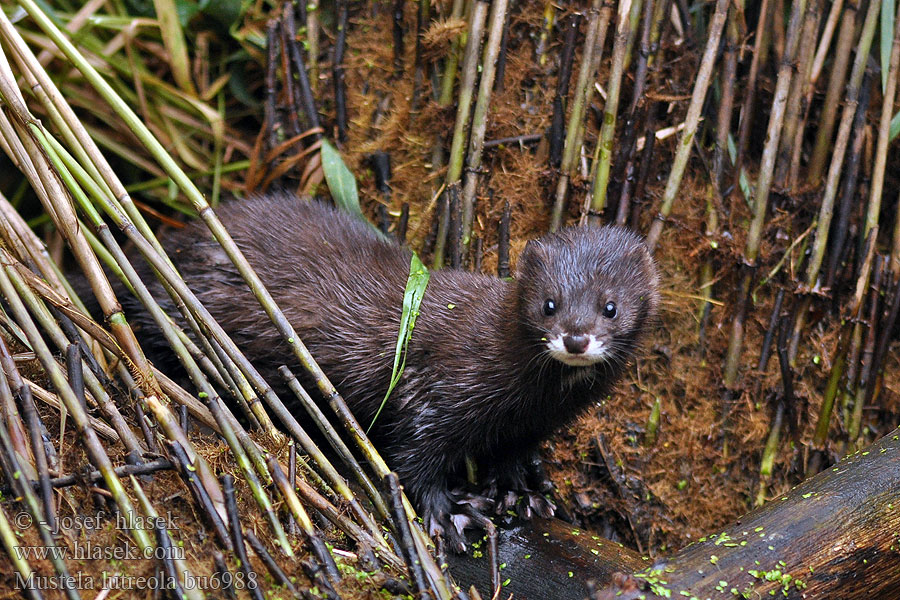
(532, 258)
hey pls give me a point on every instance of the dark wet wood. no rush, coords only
(544, 559)
(837, 535)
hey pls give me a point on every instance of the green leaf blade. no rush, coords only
(341, 182)
(412, 299)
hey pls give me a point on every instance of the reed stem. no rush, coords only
(479, 118)
(595, 202)
(598, 21)
(691, 121)
(761, 198)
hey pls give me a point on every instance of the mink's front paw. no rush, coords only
(536, 503)
(526, 504)
(522, 487)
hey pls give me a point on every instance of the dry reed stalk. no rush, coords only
(595, 201)
(747, 106)
(624, 169)
(767, 462)
(335, 441)
(546, 29)
(9, 282)
(763, 186)
(20, 564)
(10, 379)
(182, 572)
(837, 153)
(479, 118)
(868, 350)
(598, 22)
(844, 356)
(834, 15)
(23, 490)
(451, 63)
(788, 159)
(823, 145)
(881, 148)
(691, 122)
(477, 18)
(312, 41)
(555, 135)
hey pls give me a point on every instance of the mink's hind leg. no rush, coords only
(520, 479)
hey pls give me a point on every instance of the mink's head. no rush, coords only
(587, 293)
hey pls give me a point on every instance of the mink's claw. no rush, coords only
(480, 503)
(507, 502)
(537, 504)
(447, 528)
(466, 512)
(520, 486)
(526, 504)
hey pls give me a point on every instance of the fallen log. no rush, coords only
(836, 535)
(544, 559)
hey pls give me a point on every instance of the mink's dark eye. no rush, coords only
(549, 308)
(609, 310)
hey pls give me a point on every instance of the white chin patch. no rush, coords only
(594, 353)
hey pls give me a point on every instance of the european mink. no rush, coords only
(493, 367)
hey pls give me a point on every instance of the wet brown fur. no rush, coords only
(478, 380)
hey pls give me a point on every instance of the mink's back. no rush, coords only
(341, 286)
(338, 282)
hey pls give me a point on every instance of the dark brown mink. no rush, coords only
(493, 367)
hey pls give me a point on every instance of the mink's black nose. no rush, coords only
(576, 344)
